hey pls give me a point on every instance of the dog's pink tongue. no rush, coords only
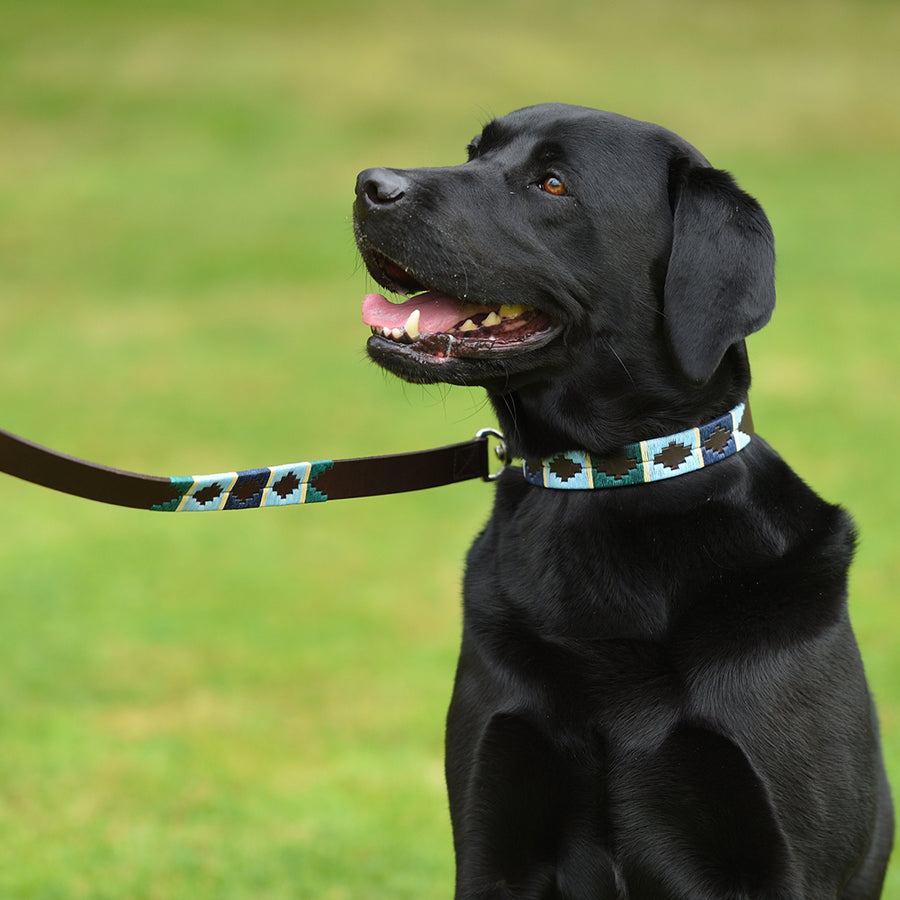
(437, 312)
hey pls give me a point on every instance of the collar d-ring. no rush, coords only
(500, 451)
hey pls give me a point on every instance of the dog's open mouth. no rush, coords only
(434, 324)
(443, 327)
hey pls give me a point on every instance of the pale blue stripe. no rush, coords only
(202, 486)
(281, 479)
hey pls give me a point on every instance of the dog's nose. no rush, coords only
(381, 187)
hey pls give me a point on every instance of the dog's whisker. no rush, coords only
(621, 362)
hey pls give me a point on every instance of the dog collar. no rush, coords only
(646, 461)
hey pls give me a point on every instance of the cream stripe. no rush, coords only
(186, 496)
(267, 489)
(645, 461)
(698, 450)
(227, 492)
(304, 482)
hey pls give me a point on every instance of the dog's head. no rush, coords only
(582, 266)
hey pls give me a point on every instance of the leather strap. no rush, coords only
(307, 482)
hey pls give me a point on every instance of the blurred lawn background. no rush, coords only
(251, 705)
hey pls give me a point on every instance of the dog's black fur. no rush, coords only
(659, 694)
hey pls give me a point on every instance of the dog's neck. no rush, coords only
(646, 461)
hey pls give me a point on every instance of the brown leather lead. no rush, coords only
(39, 465)
(375, 475)
(278, 486)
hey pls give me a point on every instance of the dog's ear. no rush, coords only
(720, 283)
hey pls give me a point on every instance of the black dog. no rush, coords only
(659, 694)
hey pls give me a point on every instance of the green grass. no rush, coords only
(252, 705)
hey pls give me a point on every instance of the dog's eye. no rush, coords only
(552, 185)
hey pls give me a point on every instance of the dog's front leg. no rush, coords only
(504, 803)
(524, 815)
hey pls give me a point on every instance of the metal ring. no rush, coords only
(500, 451)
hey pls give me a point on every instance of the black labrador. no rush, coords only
(659, 694)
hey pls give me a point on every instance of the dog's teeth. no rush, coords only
(386, 332)
(491, 319)
(412, 324)
(508, 311)
(397, 333)
(468, 325)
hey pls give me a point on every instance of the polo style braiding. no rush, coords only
(646, 461)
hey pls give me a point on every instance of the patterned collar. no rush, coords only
(646, 461)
